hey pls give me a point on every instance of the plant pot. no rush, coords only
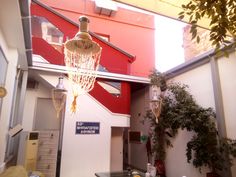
(160, 166)
(212, 174)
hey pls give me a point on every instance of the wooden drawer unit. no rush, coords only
(47, 152)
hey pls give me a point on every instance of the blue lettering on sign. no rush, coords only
(87, 128)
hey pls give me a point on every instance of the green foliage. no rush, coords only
(222, 15)
(159, 81)
(180, 110)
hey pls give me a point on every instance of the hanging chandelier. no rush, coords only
(82, 57)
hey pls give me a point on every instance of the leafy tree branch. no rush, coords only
(222, 15)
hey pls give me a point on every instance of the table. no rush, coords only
(118, 174)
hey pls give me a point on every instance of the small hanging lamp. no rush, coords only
(156, 103)
(59, 96)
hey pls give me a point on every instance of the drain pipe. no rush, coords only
(219, 106)
(26, 23)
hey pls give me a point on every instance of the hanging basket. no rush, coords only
(160, 166)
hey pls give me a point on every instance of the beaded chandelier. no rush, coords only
(82, 57)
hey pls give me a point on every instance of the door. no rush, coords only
(116, 149)
(45, 117)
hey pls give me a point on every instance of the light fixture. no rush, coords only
(82, 57)
(59, 96)
(156, 102)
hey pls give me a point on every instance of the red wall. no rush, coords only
(128, 30)
(112, 59)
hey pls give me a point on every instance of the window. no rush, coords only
(104, 36)
(42, 28)
(113, 88)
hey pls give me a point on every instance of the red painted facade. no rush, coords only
(112, 59)
(128, 30)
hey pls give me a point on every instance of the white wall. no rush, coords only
(176, 160)
(12, 58)
(84, 155)
(200, 86)
(227, 70)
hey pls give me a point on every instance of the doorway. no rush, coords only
(116, 149)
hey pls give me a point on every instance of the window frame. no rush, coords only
(3, 70)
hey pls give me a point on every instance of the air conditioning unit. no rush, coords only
(105, 7)
(28, 149)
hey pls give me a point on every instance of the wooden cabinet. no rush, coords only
(47, 152)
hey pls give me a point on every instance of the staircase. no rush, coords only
(51, 29)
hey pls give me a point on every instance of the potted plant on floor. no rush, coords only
(180, 110)
(206, 148)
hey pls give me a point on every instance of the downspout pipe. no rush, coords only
(219, 106)
(26, 23)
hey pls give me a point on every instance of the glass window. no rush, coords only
(44, 29)
(104, 36)
(113, 88)
(3, 72)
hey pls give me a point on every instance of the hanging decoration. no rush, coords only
(82, 57)
(59, 96)
(156, 103)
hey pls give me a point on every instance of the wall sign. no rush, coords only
(87, 128)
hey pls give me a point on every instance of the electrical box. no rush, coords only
(28, 149)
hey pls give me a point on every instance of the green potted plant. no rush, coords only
(180, 110)
(206, 148)
(158, 79)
